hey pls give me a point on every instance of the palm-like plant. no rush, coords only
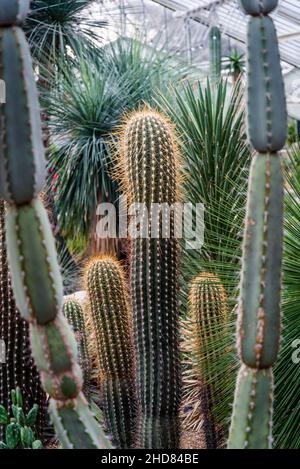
(216, 154)
(87, 104)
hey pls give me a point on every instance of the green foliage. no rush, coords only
(53, 26)
(149, 168)
(20, 428)
(85, 109)
(235, 65)
(110, 319)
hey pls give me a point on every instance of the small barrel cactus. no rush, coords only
(149, 165)
(73, 312)
(260, 288)
(111, 322)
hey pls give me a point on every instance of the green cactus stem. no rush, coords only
(32, 257)
(19, 369)
(251, 425)
(267, 115)
(20, 126)
(259, 315)
(110, 319)
(149, 165)
(215, 51)
(260, 289)
(204, 384)
(73, 312)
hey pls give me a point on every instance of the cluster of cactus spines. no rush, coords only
(260, 289)
(150, 169)
(19, 369)
(215, 52)
(111, 320)
(32, 257)
(73, 312)
(205, 325)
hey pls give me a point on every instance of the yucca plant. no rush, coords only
(85, 108)
(54, 25)
(212, 128)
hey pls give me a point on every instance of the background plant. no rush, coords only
(20, 428)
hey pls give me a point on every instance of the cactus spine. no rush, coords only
(73, 312)
(19, 369)
(203, 329)
(32, 257)
(111, 321)
(150, 175)
(215, 51)
(259, 302)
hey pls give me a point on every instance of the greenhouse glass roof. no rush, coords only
(181, 27)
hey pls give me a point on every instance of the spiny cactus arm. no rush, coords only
(150, 167)
(13, 11)
(260, 290)
(251, 425)
(75, 426)
(110, 319)
(20, 178)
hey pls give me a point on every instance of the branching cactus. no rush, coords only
(18, 369)
(215, 53)
(73, 312)
(36, 278)
(204, 334)
(149, 165)
(260, 289)
(111, 321)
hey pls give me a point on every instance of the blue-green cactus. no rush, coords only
(260, 289)
(13, 11)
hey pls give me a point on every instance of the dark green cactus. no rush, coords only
(20, 126)
(13, 11)
(150, 170)
(31, 252)
(260, 288)
(19, 369)
(73, 312)
(111, 322)
(204, 382)
(215, 51)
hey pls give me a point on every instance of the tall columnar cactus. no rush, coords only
(73, 312)
(205, 385)
(150, 175)
(259, 303)
(32, 258)
(18, 368)
(111, 321)
(215, 53)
